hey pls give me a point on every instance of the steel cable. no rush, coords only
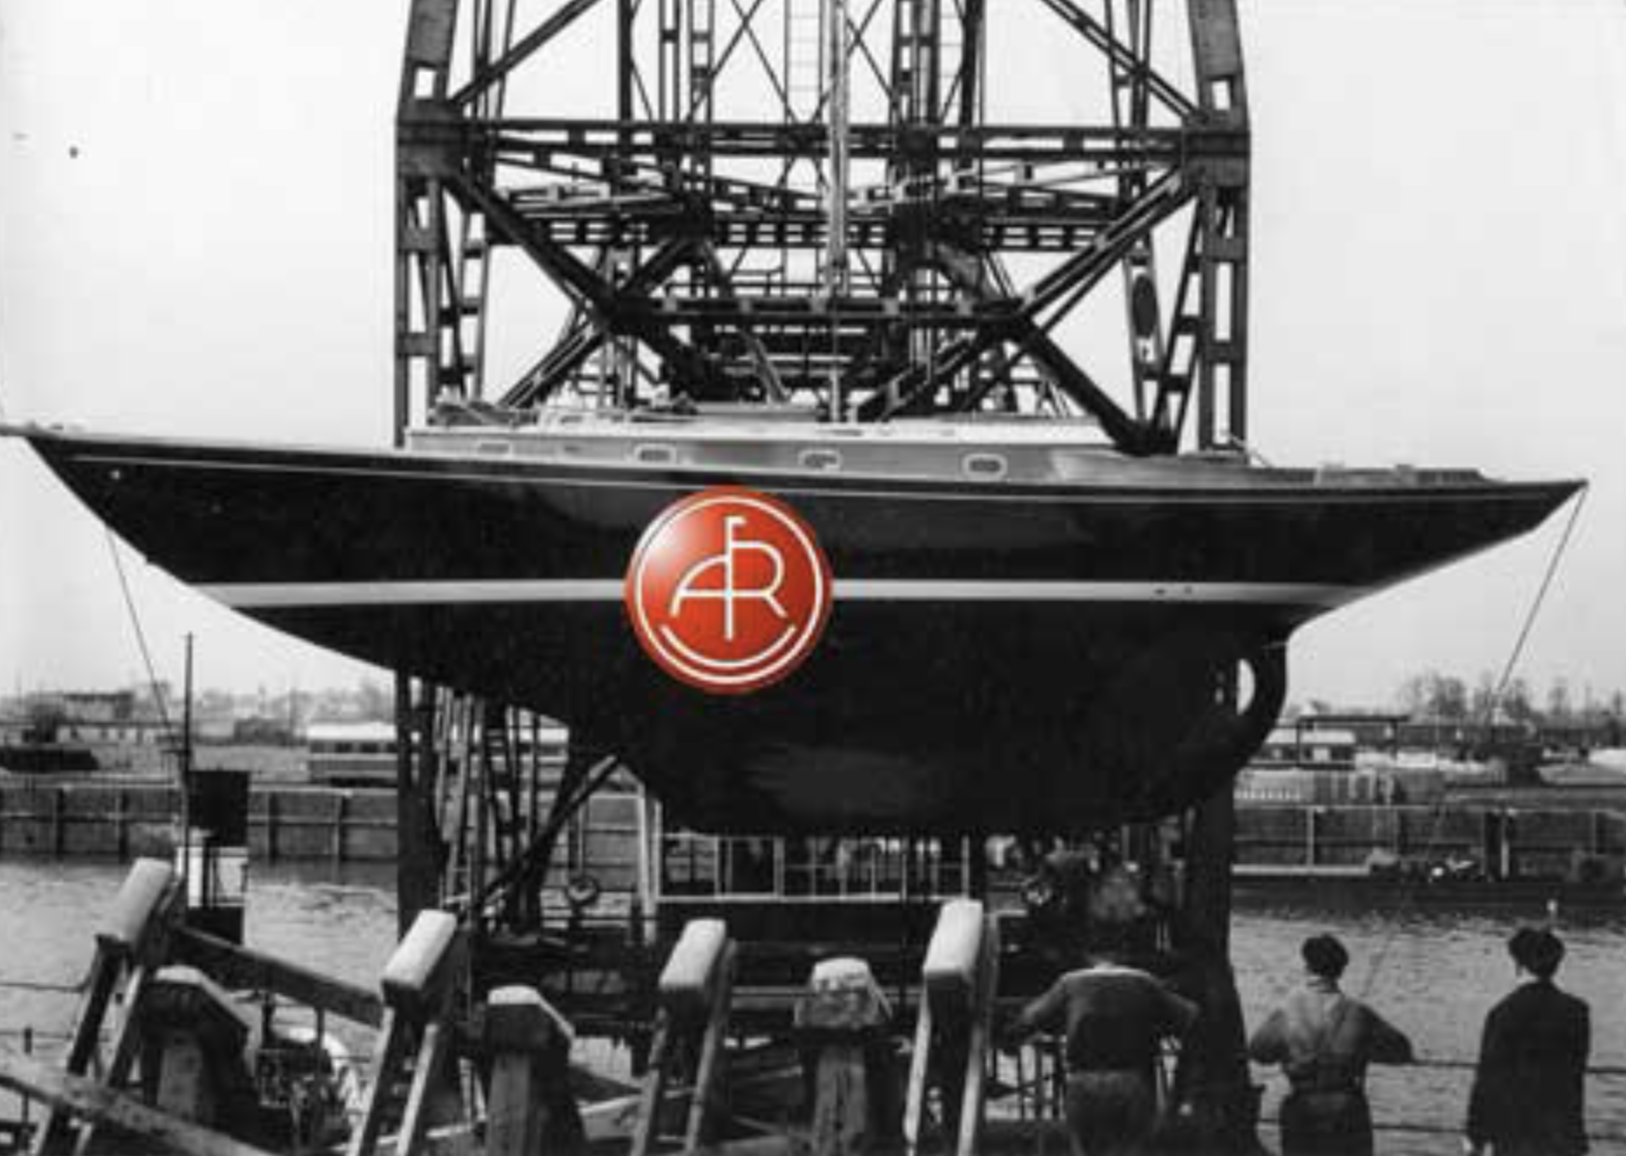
(1410, 894)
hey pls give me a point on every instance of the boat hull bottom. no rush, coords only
(946, 718)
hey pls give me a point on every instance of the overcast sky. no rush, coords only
(195, 239)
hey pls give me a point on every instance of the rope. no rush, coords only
(140, 634)
(1601, 1071)
(1410, 895)
(1535, 608)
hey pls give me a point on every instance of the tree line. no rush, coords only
(1436, 695)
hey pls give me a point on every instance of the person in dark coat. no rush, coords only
(1528, 1096)
(1324, 1041)
(1116, 1019)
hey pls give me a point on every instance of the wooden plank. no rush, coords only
(242, 967)
(982, 1026)
(707, 1092)
(425, 1075)
(113, 1109)
(382, 1073)
(914, 1111)
(126, 1048)
(653, 1095)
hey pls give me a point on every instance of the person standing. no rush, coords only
(1116, 1019)
(1528, 1097)
(1324, 1041)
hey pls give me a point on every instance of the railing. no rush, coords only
(1600, 1138)
(715, 867)
(1032, 1086)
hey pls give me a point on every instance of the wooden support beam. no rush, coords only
(418, 984)
(233, 966)
(959, 980)
(79, 1096)
(381, 1071)
(695, 991)
(132, 937)
(653, 1096)
(708, 1069)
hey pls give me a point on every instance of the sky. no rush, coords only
(195, 239)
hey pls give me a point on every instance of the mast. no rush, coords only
(837, 274)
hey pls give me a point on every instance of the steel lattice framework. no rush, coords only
(808, 203)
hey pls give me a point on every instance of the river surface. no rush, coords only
(1433, 972)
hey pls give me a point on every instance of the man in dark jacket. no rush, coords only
(1324, 1041)
(1528, 1097)
(1116, 1019)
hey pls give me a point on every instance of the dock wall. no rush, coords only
(122, 821)
(1509, 841)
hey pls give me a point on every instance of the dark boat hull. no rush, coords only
(1001, 658)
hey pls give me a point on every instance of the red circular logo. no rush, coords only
(728, 590)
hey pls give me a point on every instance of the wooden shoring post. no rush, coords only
(843, 1019)
(198, 1035)
(706, 1103)
(981, 1027)
(127, 947)
(959, 980)
(914, 1104)
(419, 987)
(691, 1020)
(530, 1108)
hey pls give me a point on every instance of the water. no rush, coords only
(1432, 972)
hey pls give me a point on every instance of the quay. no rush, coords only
(1474, 850)
(41, 817)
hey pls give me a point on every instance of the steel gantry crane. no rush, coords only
(814, 204)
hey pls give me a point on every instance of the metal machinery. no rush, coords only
(819, 208)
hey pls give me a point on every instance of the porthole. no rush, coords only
(654, 454)
(986, 466)
(821, 459)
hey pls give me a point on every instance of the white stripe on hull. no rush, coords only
(272, 595)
